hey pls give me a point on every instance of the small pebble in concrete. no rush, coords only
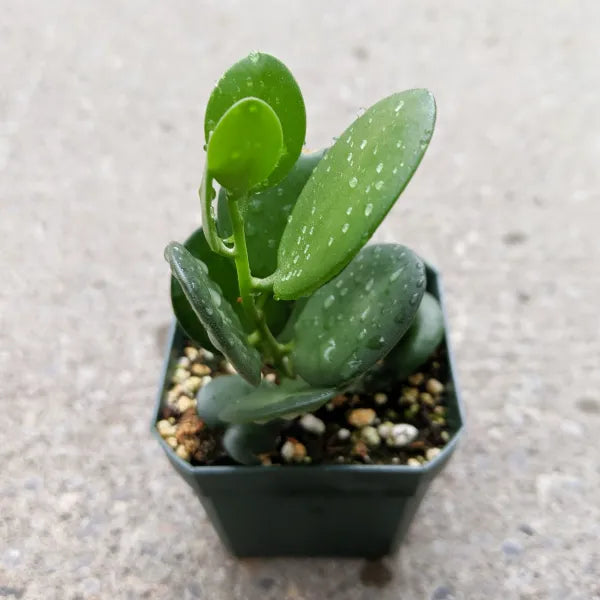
(443, 592)
(512, 548)
(526, 529)
(361, 417)
(312, 424)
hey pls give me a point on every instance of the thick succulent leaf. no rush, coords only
(266, 214)
(217, 394)
(287, 333)
(222, 272)
(351, 190)
(244, 442)
(263, 76)
(269, 401)
(245, 146)
(216, 314)
(358, 317)
(419, 342)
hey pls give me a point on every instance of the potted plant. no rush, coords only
(308, 396)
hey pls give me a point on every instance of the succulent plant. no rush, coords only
(279, 277)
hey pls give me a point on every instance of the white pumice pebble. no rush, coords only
(312, 424)
(402, 435)
(287, 451)
(343, 433)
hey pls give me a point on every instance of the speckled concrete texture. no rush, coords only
(101, 108)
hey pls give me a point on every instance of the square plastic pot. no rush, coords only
(317, 510)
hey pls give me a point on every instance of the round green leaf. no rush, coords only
(357, 318)
(266, 214)
(222, 325)
(419, 342)
(263, 76)
(351, 190)
(245, 146)
(217, 394)
(269, 401)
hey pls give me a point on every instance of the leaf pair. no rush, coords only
(255, 124)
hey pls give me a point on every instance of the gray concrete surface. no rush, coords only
(101, 107)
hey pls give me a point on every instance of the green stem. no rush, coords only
(208, 219)
(247, 288)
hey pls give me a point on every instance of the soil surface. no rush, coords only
(401, 423)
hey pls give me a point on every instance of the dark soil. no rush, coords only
(409, 402)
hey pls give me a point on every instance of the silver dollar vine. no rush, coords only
(279, 276)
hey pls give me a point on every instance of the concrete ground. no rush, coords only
(101, 110)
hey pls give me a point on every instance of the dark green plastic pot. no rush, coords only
(319, 510)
